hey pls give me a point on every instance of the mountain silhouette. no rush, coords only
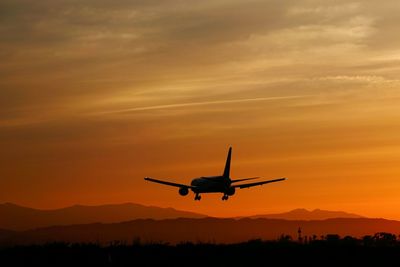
(303, 214)
(5, 234)
(14, 217)
(205, 230)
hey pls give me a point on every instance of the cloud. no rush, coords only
(53, 52)
(193, 104)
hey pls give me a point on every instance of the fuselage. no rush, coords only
(211, 184)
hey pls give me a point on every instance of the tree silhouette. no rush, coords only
(385, 239)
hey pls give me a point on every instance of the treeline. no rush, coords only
(381, 239)
(381, 249)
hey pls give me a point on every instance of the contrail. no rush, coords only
(192, 104)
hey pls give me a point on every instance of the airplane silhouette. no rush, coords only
(215, 184)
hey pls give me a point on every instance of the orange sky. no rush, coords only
(95, 95)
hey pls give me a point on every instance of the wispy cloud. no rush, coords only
(192, 104)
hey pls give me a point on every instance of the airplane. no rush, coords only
(214, 184)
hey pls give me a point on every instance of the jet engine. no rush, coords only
(183, 191)
(230, 191)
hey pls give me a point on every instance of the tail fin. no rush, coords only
(228, 164)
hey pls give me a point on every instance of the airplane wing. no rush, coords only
(243, 179)
(257, 183)
(167, 183)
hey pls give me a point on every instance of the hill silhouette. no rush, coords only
(5, 234)
(14, 217)
(204, 230)
(303, 214)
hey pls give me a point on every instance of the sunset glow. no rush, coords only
(96, 95)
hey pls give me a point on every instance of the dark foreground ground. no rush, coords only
(329, 252)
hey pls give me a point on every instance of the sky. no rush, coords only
(95, 95)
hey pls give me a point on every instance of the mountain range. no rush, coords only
(129, 221)
(303, 214)
(15, 217)
(18, 218)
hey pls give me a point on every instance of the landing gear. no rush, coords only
(197, 197)
(225, 197)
